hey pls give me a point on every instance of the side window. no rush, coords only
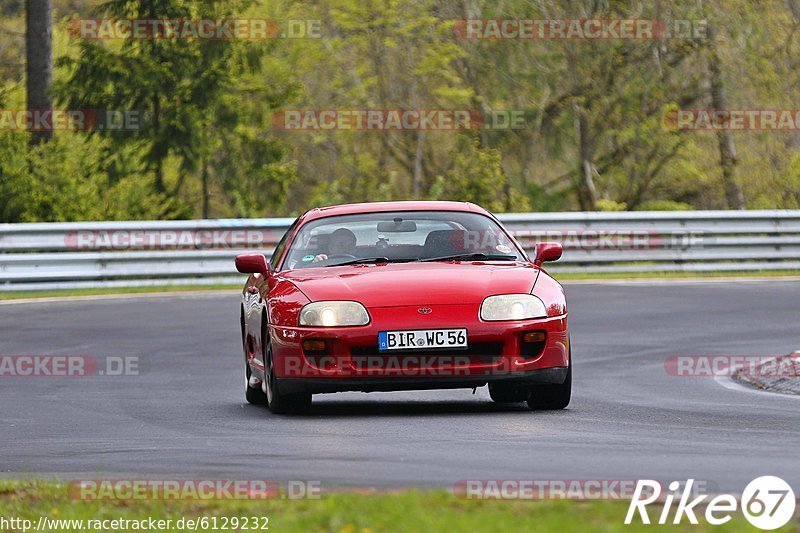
(281, 246)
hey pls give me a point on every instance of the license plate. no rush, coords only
(422, 338)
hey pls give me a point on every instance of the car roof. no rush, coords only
(382, 207)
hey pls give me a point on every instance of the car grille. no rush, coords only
(476, 353)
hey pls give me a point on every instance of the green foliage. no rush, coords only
(543, 199)
(64, 181)
(664, 205)
(193, 95)
(476, 176)
(14, 176)
(62, 186)
(604, 204)
(208, 146)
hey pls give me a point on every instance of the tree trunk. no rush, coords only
(587, 192)
(727, 150)
(416, 183)
(155, 51)
(587, 168)
(159, 169)
(39, 64)
(206, 191)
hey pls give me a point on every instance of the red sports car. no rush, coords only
(402, 296)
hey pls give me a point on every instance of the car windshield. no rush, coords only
(397, 237)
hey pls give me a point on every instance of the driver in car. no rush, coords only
(343, 242)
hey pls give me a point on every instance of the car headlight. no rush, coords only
(512, 307)
(332, 314)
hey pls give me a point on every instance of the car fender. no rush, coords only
(551, 293)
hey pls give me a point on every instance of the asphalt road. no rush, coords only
(184, 415)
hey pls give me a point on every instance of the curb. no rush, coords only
(782, 383)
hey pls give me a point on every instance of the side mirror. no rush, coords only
(252, 264)
(547, 251)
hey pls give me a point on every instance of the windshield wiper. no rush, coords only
(455, 257)
(368, 260)
(471, 257)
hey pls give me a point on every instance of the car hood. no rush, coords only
(398, 284)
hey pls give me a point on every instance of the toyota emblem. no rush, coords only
(424, 310)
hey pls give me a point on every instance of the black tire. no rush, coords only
(505, 393)
(277, 402)
(253, 395)
(552, 397)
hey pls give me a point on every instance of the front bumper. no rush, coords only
(554, 375)
(351, 360)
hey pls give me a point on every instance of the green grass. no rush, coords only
(411, 510)
(566, 276)
(16, 295)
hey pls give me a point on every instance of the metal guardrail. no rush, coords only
(90, 254)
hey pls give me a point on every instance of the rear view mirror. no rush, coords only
(252, 264)
(398, 225)
(548, 251)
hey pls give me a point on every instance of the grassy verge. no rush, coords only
(16, 295)
(565, 276)
(344, 512)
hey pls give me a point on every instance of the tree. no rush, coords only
(39, 66)
(179, 87)
(727, 149)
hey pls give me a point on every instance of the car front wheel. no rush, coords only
(505, 393)
(277, 402)
(552, 397)
(254, 395)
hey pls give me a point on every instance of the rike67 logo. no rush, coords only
(767, 502)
